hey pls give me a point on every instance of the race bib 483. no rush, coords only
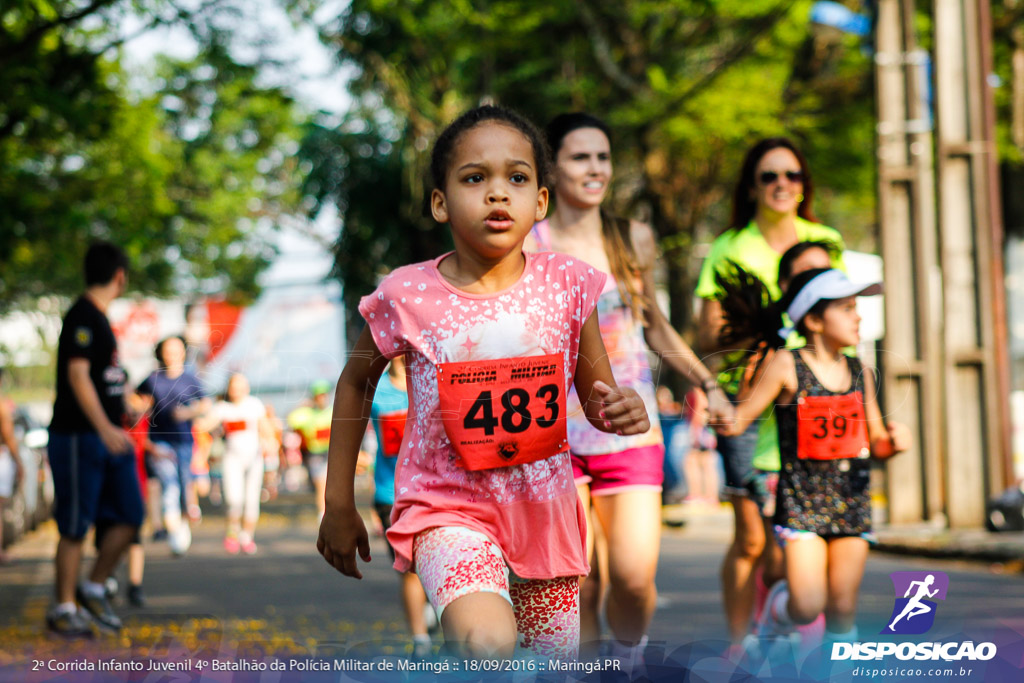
(499, 413)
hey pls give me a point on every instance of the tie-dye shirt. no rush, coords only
(530, 511)
(623, 337)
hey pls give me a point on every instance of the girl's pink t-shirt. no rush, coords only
(530, 511)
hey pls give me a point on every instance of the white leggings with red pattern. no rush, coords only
(455, 561)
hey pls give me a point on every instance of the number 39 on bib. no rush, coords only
(499, 413)
(831, 427)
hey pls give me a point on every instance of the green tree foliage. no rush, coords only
(237, 175)
(687, 86)
(189, 180)
(1008, 46)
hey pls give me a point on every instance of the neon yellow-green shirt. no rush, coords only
(748, 249)
(314, 425)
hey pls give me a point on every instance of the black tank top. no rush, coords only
(826, 497)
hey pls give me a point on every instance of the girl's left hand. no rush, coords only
(622, 410)
(896, 441)
(721, 411)
(900, 436)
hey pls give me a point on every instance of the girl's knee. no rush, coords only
(637, 588)
(484, 640)
(481, 625)
(803, 609)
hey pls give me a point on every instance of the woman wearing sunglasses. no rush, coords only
(771, 212)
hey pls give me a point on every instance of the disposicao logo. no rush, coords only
(913, 614)
(916, 593)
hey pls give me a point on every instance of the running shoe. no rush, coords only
(249, 546)
(232, 545)
(422, 648)
(811, 635)
(136, 598)
(100, 610)
(631, 657)
(69, 624)
(180, 541)
(768, 624)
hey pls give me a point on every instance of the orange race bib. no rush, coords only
(392, 429)
(831, 427)
(323, 434)
(234, 426)
(499, 413)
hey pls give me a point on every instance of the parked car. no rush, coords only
(32, 502)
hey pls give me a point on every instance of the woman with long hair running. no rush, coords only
(620, 477)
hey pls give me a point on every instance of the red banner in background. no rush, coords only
(222, 319)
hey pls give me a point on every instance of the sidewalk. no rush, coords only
(969, 544)
(922, 540)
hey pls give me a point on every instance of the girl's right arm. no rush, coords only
(776, 376)
(342, 531)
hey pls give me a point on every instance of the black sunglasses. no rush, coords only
(769, 177)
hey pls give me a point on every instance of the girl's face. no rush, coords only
(778, 183)
(815, 257)
(238, 388)
(173, 352)
(492, 196)
(839, 323)
(583, 168)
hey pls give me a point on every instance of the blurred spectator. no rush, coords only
(138, 429)
(12, 473)
(313, 424)
(94, 474)
(388, 414)
(271, 438)
(700, 463)
(241, 417)
(670, 412)
(177, 398)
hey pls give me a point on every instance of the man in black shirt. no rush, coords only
(90, 454)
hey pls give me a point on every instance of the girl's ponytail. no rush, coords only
(750, 317)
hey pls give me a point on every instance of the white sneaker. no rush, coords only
(430, 618)
(180, 541)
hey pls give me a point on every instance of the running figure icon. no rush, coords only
(915, 607)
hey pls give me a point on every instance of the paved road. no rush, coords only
(286, 599)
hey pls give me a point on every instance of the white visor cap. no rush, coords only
(832, 284)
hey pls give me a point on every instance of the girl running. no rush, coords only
(485, 506)
(829, 424)
(621, 477)
(243, 419)
(772, 210)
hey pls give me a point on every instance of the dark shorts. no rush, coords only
(762, 491)
(384, 512)
(632, 469)
(90, 484)
(738, 461)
